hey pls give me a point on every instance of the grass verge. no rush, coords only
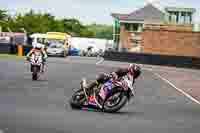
(10, 56)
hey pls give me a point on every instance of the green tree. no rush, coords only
(34, 22)
(3, 19)
(3, 15)
(101, 31)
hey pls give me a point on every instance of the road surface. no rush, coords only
(38, 107)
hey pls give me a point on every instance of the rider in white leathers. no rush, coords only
(38, 47)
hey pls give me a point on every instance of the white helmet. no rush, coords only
(38, 45)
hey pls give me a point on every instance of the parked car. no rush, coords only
(74, 52)
(55, 49)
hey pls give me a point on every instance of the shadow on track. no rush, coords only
(41, 80)
(120, 113)
(127, 113)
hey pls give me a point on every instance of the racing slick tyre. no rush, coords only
(115, 102)
(77, 100)
(34, 74)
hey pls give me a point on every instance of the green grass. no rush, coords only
(10, 56)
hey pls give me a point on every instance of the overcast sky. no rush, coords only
(87, 11)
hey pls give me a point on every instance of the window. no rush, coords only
(173, 17)
(188, 18)
(134, 27)
(116, 33)
(56, 45)
(180, 17)
(127, 27)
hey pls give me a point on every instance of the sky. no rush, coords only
(88, 11)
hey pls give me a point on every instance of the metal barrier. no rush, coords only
(152, 59)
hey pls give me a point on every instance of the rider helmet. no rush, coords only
(135, 70)
(38, 46)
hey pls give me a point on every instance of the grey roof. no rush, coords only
(149, 12)
(119, 16)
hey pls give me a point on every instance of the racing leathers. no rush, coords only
(44, 56)
(102, 78)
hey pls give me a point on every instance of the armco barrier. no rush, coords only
(163, 60)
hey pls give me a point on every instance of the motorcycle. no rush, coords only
(109, 97)
(36, 64)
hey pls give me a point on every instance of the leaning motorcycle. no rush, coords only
(36, 64)
(109, 97)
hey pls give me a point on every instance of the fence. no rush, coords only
(152, 59)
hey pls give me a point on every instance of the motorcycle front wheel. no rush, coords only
(35, 74)
(77, 100)
(115, 102)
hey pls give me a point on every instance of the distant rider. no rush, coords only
(38, 47)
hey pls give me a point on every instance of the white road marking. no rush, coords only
(159, 70)
(181, 91)
(102, 59)
(148, 69)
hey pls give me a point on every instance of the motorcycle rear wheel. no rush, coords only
(77, 100)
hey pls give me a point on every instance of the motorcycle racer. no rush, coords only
(38, 47)
(133, 69)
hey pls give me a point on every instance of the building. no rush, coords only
(128, 27)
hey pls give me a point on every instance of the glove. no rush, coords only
(44, 59)
(27, 59)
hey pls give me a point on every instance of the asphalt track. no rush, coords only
(38, 107)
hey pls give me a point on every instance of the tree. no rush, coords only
(3, 15)
(35, 22)
(3, 19)
(45, 22)
(101, 31)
